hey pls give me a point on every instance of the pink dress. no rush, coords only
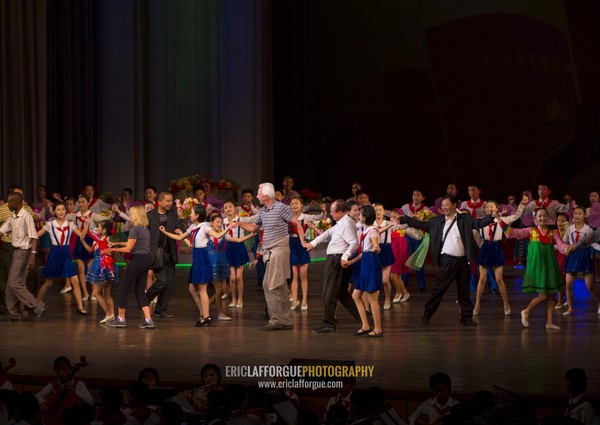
(401, 252)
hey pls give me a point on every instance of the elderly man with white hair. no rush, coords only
(274, 217)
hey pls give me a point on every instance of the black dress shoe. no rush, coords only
(327, 329)
(468, 322)
(425, 320)
(163, 315)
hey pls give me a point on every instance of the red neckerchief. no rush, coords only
(414, 210)
(82, 218)
(62, 230)
(93, 201)
(474, 206)
(247, 209)
(193, 236)
(543, 204)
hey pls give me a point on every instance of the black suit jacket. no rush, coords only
(171, 226)
(435, 228)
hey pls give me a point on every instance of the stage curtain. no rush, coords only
(23, 94)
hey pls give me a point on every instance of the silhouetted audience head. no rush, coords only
(307, 417)
(210, 374)
(576, 381)
(171, 413)
(150, 377)
(75, 415)
(336, 415)
(237, 396)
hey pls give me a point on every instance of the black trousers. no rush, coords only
(135, 275)
(335, 288)
(452, 268)
(164, 286)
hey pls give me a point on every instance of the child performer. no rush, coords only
(60, 264)
(593, 219)
(64, 391)
(218, 260)
(386, 256)
(103, 271)
(580, 260)
(410, 210)
(81, 218)
(236, 253)
(542, 274)
(201, 273)
(399, 271)
(491, 255)
(562, 224)
(474, 205)
(299, 256)
(370, 278)
(552, 206)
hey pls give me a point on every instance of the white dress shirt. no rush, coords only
(341, 237)
(453, 244)
(22, 227)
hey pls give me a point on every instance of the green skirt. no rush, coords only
(542, 274)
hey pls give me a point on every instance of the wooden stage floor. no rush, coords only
(497, 352)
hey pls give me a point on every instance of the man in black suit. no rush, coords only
(163, 215)
(452, 249)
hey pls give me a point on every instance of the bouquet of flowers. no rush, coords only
(417, 259)
(243, 213)
(323, 224)
(184, 209)
(424, 215)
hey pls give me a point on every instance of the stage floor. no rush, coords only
(497, 352)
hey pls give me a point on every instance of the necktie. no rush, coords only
(62, 236)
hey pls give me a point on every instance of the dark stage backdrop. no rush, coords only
(128, 93)
(402, 96)
(396, 94)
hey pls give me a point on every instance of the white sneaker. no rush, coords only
(524, 319)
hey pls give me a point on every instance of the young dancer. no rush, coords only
(593, 220)
(399, 271)
(562, 224)
(236, 253)
(218, 259)
(370, 278)
(491, 254)
(409, 210)
(299, 256)
(201, 273)
(103, 271)
(552, 206)
(474, 205)
(386, 256)
(580, 260)
(542, 275)
(60, 264)
(81, 218)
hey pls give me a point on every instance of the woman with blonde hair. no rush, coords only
(138, 245)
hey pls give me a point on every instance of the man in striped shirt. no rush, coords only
(273, 218)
